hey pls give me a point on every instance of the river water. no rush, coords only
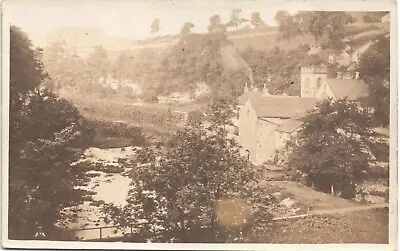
(109, 187)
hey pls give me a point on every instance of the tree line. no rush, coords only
(327, 27)
(216, 23)
(195, 58)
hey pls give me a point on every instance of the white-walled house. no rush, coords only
(267, 121)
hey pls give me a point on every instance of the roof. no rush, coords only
(343, 59)
(289, 125)
(282, 106)
(351, 89)
(245, 96)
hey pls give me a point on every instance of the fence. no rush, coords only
(101, 230)
(131, 227)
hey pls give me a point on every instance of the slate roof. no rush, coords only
(351, 89)
(282, 106)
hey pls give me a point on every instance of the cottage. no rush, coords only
(352, 89)
(267, 121)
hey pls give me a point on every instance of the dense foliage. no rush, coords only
(46, 137)
(328, 27)
(115, 134)
(197, 58)
(194, 59)
(280, 70)
(373, 17)
(331, 148)
(196, 189)
(375, 71)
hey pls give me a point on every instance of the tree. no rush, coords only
(98, 66)
(235, 20)
(324, 25)
(46, 136)
(256, 20)
(66, 68)
(195, 58)
(279, 69)
(26, 68)
(375, 71)
(327, 27)
(197, 189)
(155, 26)
(187, 26)
(331, 148)
(54, 57)
(215, 25)
(286, 25)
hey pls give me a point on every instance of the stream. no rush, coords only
(109, 187)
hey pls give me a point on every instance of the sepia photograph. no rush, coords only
(226, 124)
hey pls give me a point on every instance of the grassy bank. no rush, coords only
(370, 226)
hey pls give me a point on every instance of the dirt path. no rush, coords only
(315, 199)
(348, 209)
(334, 211)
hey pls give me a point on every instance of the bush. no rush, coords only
(115, 134)
(151, 99)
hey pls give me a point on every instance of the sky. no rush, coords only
(133, 18)
(128, 18)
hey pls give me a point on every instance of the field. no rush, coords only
(152, 118)
(267, 39)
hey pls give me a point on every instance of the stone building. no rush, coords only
(263, 130)
(311, 80)
(267, 121)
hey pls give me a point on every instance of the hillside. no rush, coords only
(225, 62)
(263, 39)
(84, 37)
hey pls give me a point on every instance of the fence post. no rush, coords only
(101, 233)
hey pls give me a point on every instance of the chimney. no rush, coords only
(246, 88)
(357, 75)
